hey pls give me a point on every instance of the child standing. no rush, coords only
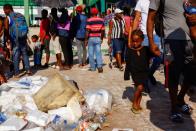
(37, 51)
(137, 64)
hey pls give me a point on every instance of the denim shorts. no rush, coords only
(118, 45)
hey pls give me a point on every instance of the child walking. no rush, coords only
(37, 51)
(137, 64)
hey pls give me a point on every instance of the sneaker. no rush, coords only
(45, 65)
(54, 66)
(66, 68)
(57, 67)
(29, 73)
(121, 68)
(90, 69)
(176, 117)
(100, 70)
(186, 109)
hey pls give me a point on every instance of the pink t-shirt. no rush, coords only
(65, 26)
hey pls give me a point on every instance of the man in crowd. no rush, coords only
(177, 52)
(16, 31)
(78, 27)
(94, 37)
(116, 36)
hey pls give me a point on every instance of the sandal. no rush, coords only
(121, 68)
(136, 111)
(186, 109)
(176, 117)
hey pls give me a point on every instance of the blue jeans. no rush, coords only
(37, 57)
(94, 48)
(18, 50)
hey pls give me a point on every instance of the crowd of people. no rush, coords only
(132, 41)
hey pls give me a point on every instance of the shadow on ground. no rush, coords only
(159, 106)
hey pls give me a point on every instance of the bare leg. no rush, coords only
(140, 88)
(137, 97)
(47, 58)
(118, 59)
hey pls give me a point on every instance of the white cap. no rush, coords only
(117, 10)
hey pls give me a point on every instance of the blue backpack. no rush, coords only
(81, 29)
(18, 26)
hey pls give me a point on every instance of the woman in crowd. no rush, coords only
(64, 40)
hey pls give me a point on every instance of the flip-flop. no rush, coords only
(135, 111)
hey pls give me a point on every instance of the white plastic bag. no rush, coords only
(13, 124)
(35, 129)
(100, 100)
(38, 117)
(71, 113)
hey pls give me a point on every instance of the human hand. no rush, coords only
(129, 45)
(191, 17)
(110, 49)
(155, 49)
(86, 42)
(8, 44)
(109, 41)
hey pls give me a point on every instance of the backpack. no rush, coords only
(159, 19)
(19, 28)
(81, 28)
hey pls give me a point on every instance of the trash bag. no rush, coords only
(55, 94)
(100, 101)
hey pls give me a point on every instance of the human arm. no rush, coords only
(150, 29)
(6, 28)
(1, 28)
(86, 37)
(129, 37)
(191, 19)
(110, 32)
(134, 24)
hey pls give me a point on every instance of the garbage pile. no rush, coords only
(37, 103)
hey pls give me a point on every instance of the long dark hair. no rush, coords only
(64, 16)
(54, 14)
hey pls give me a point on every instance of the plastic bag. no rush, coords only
(13, 124)
(100, 100)
(38, 117)
(72, 113)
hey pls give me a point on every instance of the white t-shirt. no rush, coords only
(143, 6)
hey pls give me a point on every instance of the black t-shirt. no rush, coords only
(138, 61)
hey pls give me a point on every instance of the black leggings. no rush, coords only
(67, 50)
